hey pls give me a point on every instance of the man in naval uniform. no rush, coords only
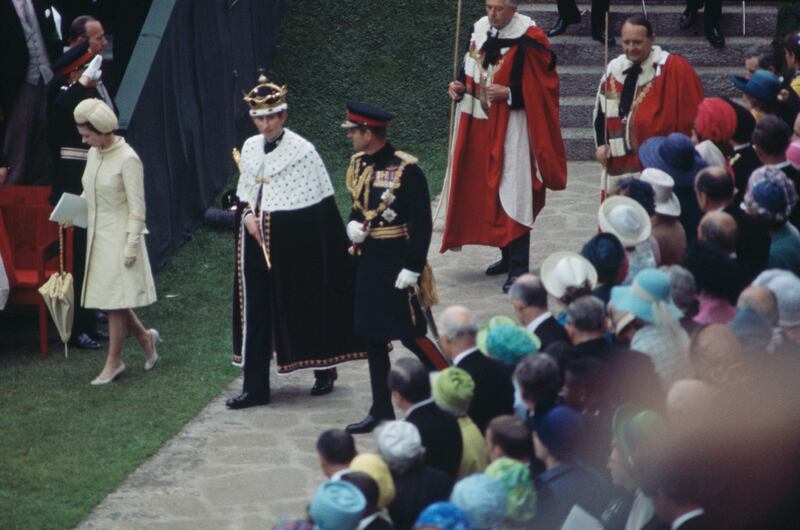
(293, 282)
(390, 227)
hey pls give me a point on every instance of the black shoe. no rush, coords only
(561, 26)
(509, 282)
(715, 37)
(366, 425)
(600, 36)
(324, 382)
(100, 335)
(497, 268)
(245, 400)
(84, 342)
(687, 18)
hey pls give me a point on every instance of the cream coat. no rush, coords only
(113, 184)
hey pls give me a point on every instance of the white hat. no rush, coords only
(667, 202)
(785, 286)
(626, 219)
(398, 441)
(710, 153)
(565, 269)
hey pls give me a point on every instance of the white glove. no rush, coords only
(406, 279)
(131, 249)
(356, 232)
(93, 71)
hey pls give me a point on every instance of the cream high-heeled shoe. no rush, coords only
(151, 361)
(118, 372)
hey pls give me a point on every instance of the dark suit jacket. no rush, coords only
(551, 331)
(631, 377)
(494, 391)
(415, 490)
(441, 437)
(743, 162)
(752, 248)
(14, 56)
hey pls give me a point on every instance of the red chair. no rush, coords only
(29, 247)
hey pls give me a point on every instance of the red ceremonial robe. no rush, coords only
(667, 95)
(475, 214)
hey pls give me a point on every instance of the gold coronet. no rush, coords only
(266, 95)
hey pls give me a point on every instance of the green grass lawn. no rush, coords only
(64, 444)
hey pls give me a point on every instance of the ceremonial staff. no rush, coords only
(446, 185)
(604, 173)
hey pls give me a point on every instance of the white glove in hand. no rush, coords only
(406, 279)
(131, 249)
(356, 232)
(93, 71)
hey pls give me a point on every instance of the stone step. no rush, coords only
(579, 142)
(760, 20)
(578, 80)
(577, 50)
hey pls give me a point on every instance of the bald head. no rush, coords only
(714, 188)
(716, 355)
(761, 301)
(457, 330)
(689, 402)
(719, 229)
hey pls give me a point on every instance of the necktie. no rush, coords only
(629, 89)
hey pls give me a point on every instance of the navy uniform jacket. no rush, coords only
(383, 312)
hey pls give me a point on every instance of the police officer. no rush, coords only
(390, 227)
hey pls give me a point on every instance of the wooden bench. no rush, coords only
(29, 247)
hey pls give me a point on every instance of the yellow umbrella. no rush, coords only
(59, 296)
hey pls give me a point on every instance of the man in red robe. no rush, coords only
(645, 92)
(508, 145)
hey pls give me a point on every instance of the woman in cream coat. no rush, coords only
(118, 276)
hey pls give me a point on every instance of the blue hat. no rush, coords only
(650, 286)
(606, 253)
(337, 505)
(482, 498)
(560, 430)
(763, 85)
(675, 155)
(443, 515)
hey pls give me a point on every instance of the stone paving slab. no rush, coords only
(244, 469)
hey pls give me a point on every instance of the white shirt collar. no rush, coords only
(685, 517)
(366, 521)
(415, 406)
(460, 357)
(536, 322)
(338, 475)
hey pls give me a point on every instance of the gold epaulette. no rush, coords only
(735, 158)
(405, 157)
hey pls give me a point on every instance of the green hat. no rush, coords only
(515, 478)
(634, 426)
(506, 340)
(453, 389)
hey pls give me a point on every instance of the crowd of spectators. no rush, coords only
(646, 381)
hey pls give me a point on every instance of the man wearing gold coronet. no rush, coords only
(293, 283)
